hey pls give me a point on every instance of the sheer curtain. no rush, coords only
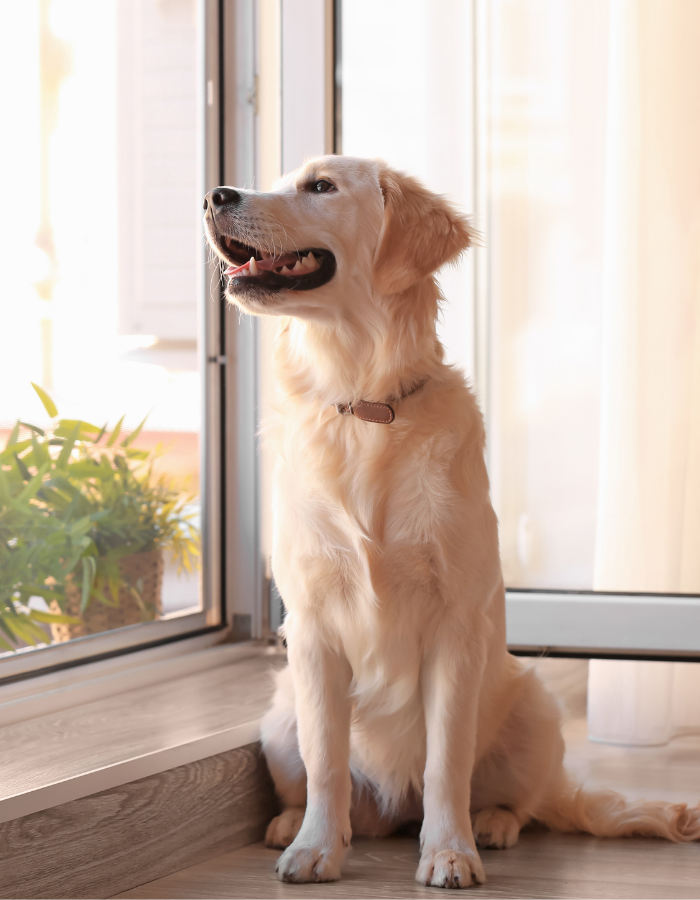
(648, 516)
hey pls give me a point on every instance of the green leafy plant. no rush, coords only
(36, 554)
(74, 500)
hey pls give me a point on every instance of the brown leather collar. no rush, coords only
(381, 413)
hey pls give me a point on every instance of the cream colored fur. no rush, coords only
(400, 702)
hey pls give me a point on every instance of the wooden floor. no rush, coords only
(542, 864)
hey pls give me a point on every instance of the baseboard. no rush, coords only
(109, 842)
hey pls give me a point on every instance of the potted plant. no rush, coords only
(85, 505)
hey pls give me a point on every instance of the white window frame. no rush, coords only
(231, 566)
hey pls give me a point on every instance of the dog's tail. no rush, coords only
(609, 814)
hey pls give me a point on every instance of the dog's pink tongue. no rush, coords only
(232, 270)
(265, 265)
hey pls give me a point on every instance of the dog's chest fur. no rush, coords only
(354, 490)
(360, 509)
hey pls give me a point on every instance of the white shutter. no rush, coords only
(159, 224)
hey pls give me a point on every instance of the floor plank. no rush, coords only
(540, 865)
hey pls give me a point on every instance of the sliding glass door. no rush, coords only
(563, 125)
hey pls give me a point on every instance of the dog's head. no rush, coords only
(333, 236)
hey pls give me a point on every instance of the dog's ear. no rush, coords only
(421, 232)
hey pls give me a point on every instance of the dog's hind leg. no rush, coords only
(515, 774)
(522, 777)
(281, 746)
(496, 827)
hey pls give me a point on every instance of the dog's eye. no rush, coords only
(322, 186)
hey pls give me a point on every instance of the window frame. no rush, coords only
(240, 446)
(231, 572)
(236, 593)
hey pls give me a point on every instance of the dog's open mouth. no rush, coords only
(299, 270)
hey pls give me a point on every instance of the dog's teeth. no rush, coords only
(297, 266)
(307, 261)
(253, 266)
(286, 270)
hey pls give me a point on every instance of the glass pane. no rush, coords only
(595, 271)
(588, 166)
(410, 101)
(100, 244)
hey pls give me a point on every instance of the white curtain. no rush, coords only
(648, 525)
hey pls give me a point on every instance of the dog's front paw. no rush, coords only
(450, 868)
(284, 828)
(301, 863)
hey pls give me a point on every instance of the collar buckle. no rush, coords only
(383, 413)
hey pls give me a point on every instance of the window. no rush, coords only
(563, 124)
(594, 295)
(110, 411)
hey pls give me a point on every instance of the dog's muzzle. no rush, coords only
(255, 267)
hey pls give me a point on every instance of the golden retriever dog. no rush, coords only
(400, 701)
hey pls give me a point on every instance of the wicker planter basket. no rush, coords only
(142, 570)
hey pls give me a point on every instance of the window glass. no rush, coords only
(410, 101)
(100, 397)
(587, 166)
(594, 246)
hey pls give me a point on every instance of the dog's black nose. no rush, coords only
(222, 196)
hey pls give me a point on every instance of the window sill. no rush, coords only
(166, 714)
(31, 662)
